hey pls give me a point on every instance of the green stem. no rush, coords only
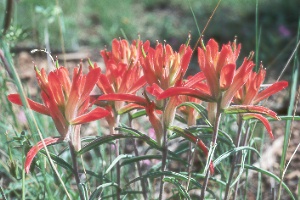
(136, 152)
(117, 149)
(118, 170)
(291, 109)
(235, 157)
(244, 142)
(191, 156)
(75, 166)
(163, 162)
(213, 143)
(2, 193)
(23, 174)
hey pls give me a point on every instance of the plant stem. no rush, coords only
(136, 152)
(190, 159)
(23, 174)
(75, 166)
(140, 172)
(117, 146)
(163, 162)
(118, 170)
(235, 157)
(213, 143)
(244, 142)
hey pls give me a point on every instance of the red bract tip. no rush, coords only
(35, 149)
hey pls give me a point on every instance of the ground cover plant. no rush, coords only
(139, 126)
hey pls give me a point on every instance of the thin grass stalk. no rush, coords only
(298, 189)
(47, 182)
(194, 17)
(212, 145)
(288, 126)
(8, 16)
(206, 25)
(62, 41)
(235, 157)
(118, 169)
(191, 158)
(290, 132)
(23, 173)
(293, 154)
(256, 36)
(85, 174)
(259, 192)
(2, 193)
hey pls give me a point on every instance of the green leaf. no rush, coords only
(206, 133)
(126, 192)
(200, 109)
(285, 118)
(251, 167)
(180, 118)
(202, 176)
(58, 161)
(2, 192)
(178, 186)
(232, 151)
(122, 156)
(148, 157)
(178, 176)
(138, 114)
(152, 143)
(141, 136)
(102, 140)
(100, 187)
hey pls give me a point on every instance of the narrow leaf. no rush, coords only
(199, 108)
(270, 175)
(102, 140)
(232, 151)
(122, 156)
(148, 157)
(178, 186)
(100, 187)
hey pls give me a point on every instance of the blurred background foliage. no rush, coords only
(94, 23)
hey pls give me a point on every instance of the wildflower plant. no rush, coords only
(148, 85)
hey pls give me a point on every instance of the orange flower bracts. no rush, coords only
(66, 101)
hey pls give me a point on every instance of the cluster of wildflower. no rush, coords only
(139, 76)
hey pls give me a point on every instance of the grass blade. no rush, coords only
(178, 186)
(115, 161)
(99, 188)
(233, 151)
(265, 172)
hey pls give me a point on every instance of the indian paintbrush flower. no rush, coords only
(66, 102)
(246, 98)
(218, 80)
(123, 74)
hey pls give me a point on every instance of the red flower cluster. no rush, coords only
(160, 73)
(67, 103)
